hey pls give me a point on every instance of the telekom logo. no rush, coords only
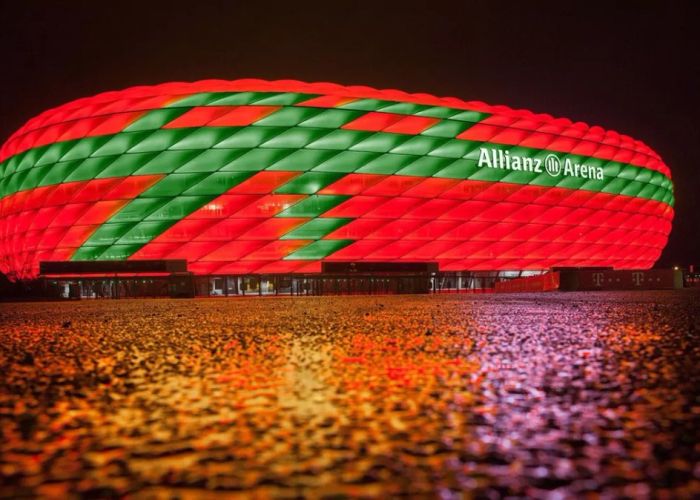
(598, 279)
(637, 277)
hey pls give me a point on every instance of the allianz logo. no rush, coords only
(498, 158)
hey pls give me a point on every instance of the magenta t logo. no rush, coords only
(637, 278)
(598, 279)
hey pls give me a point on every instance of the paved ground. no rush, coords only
(550, 394)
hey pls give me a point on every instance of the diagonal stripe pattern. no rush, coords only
(251, 176)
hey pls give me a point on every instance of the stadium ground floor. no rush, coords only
(185, 285)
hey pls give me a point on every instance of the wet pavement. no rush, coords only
(549, 395)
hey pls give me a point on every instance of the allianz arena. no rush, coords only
(259, 177)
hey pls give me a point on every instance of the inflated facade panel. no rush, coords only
(251, 176)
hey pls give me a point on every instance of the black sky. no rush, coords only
(628, 66)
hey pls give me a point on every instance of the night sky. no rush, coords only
(628, 66)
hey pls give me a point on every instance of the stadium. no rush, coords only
(231, 181)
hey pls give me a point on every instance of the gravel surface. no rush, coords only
(547, 395)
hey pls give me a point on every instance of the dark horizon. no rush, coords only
(629, 67)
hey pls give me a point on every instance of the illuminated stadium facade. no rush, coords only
(256, 177)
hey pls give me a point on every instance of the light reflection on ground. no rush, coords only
(550, 394)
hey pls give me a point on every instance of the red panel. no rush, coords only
(432, 209)
(431, 187)
(272, 229)
(227, 229)
(395, 207)
(356, 250)
(411, 125)
(199, 116)
(224, 206)
(374, 121)
(396, 229)
(356, 229)
(100, 211)
(352, 184)
(327, 101)
(194, 250)
(234, 250)
(263, 182)
(155, 251)
(95, 189)
(355, 206)
(282, 266)
(432, 229)
(243, 115)
(430, 251)
(276, 250)
(395, 250)
(131, 186)
(393, 185)
(76, 236)
(270, 205)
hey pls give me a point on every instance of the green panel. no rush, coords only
(155, 119)
(89, 252)
(425, 166)
(33, 178)
(56, 173)
(89, 169)
(287, 117)
(309, 182)
(84, 148)
(463, 169)
(109, 233)
(137, 210)
(210, 160)
(126, 164)
(302, 160)
(120, 252)
(453, 149)
(438, 112)
(179, 207)
(380, 142)
(387, 164)
(340, 139)
(257, 159)
(367, 104)
(404, 108)
(239, 98)
(331, 118)
(313, 206)
(295, 138)
(166, 162)
(28, 159)
(217, 183)
(284, 99)
(249, 137)
(632, 189)
(121, 143)
(53, 152)
(172, 185)
(469, 116)
(316, 229)
(203, 138)
(418, 145)
(446, 128)
(614, 186)
(346, 161)
(143, 232)
(318, 249)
